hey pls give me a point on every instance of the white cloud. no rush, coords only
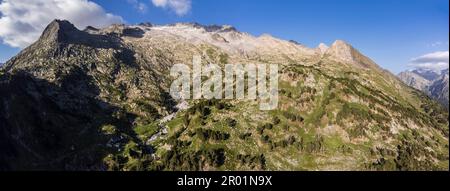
(22, 21)
(434, 61)
(180, 7)
(138, 5)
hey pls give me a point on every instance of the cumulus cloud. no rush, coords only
(434, 61)
(22, 21)
(180, 7)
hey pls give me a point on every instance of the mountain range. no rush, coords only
(98, 99)
(435, 84)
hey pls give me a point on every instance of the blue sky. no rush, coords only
(391, 32)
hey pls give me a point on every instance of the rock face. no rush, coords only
(415, 80)
(439, 88)
(430, 82)
(427, 74)
(98, 99)
(323, 48)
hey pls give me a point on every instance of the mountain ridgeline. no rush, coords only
(98, 99)
(432, 83)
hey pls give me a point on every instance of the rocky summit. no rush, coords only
(434, 84)
(98, 99)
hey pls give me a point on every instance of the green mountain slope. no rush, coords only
(99, 99)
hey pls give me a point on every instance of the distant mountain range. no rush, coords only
(435, 84)
(98, 99)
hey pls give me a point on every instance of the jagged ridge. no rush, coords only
(98, 99)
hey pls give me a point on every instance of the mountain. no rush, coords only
(430, 82)
(427, 74)
(439, 88)
(415, 80)
(98, 99)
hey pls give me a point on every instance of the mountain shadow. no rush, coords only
(58, 126)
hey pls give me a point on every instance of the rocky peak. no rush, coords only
(217, 28)
(427, 74)
(208, 28)
(322, 48)
(91, 29)
(59, 31)
(64, 32)
(114, 29)
(146, 24)
(266, 36)
(414, 80)
(62, 39)
(60, 25)
(228, 28)
(429, 82)
(294, 42)
(341, 50)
